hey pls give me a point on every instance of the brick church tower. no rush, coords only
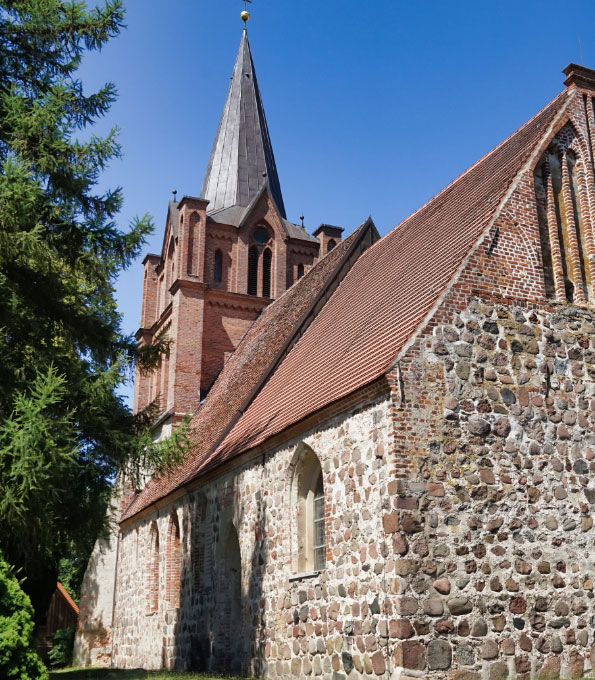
(225, 257)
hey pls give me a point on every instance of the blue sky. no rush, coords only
(372, 106)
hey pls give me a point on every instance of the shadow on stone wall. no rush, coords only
(221, 625)
(93, 639)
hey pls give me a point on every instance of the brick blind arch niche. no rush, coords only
(152, 572)
(170, 271)
(565, 227)
(229, 639)
(197, 543)
(173, 562)
(218, 266)
(308, 534)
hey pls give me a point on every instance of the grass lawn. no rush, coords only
(111, 674)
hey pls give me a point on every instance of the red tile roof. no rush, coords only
(71, 603)
(387, 294)
(251, 362)
(359, 332)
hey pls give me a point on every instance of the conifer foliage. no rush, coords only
(64, 431)
(18, 661)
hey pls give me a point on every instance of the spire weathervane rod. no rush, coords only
(245, 15)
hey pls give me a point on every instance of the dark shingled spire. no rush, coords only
(242, 159)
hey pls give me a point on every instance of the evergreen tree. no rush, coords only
(18, 659)
(64, 431)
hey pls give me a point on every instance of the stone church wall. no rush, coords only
(247, 609)
(502, 498)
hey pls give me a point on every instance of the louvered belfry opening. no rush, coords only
(267, 259)
(567, 241)
(253, 271)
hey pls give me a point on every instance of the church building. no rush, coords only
(392, 462)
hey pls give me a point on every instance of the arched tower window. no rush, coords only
(331, 244)
(300, 271)
(307, 498)
(266, 273)
(152, 582)
(218, 267)
(174, 562)
(253, 271)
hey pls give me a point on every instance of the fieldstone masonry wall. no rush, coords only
(495, 531)
(283, 625)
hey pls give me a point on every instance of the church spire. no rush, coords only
(242, 159)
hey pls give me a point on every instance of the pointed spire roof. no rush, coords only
(242, 159)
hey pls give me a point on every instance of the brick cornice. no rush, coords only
(187, 284)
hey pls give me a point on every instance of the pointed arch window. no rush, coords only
(253, 271)
(331, 244)
(319, 534)
(267, 258)
(307, 498)
(218, 267)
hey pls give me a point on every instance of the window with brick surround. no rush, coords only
(300, 271)
(560, 194)
(331, 244)
(218, 267)
(253, 271)
(173, 570)
(308, 512)
(267, 258)
(152, 581)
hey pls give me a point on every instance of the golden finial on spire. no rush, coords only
(245, 15)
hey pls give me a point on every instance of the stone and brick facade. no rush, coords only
(436, 386)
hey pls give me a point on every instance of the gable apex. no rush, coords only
(581, 76)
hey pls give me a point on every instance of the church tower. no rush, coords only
(225, 257)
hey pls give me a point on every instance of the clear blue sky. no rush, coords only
(372, 106)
